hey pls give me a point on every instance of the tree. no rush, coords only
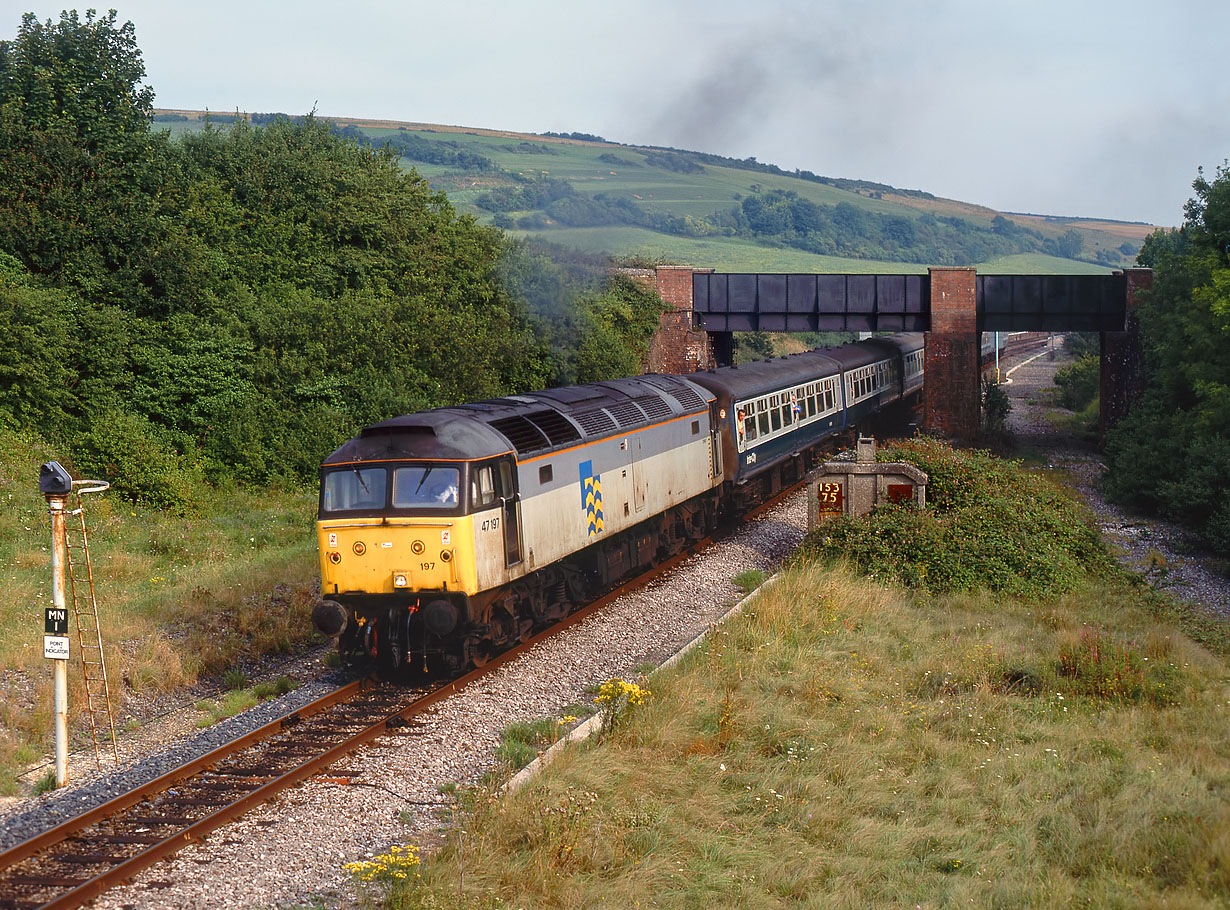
(1172, 454)
(83, 75)
(1070, 243)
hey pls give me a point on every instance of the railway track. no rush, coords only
(85, 856)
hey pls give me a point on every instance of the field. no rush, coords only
(716, 188)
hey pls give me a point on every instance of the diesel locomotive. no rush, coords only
(449, 535)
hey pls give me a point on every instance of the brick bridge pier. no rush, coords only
(951, 305)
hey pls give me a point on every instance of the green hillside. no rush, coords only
(664, 204)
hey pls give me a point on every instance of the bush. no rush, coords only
(995, 407)
(989, 525)
(139, 459)
(1079, 382)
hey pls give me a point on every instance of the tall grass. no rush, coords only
(179, 595)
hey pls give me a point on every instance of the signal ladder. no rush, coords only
(89, 634)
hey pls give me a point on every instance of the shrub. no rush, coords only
(995, 407)
(989, 524)
(139, 459)
(1079, 382)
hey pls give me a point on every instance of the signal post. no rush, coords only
(56, 485)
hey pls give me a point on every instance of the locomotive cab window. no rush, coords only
(426, 487)
(354, 489)
(482, 487)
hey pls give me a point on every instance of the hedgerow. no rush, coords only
(989, 524)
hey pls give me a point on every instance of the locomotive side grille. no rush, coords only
(595, 422)
(654, 407)
(524, 436)
(627, 414)
(555, 425)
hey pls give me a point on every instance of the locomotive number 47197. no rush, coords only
(490, 524)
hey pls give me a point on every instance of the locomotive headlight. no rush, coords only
(417, 548)
(359, 548)
(335, 558)
(446, 556)
(401, 580)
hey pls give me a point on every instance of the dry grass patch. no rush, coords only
(842, 744)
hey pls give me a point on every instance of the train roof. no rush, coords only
(749, 380)
(528, 425)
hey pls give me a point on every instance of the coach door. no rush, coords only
(511, 509)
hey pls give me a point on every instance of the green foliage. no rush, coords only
(236, 303)
(138, 458)
(39, 328)
(1079, 382)
(1081, 344)
(995, 407)
(989, 525)
(752, 346)
(85, 75)
(1172, 453)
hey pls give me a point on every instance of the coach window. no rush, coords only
(776, 416)
(749, 425)
(762, 416)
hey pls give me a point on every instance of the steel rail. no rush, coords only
(169, 779)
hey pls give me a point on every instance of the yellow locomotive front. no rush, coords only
(403, 526)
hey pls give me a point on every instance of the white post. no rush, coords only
(59, 556)
(997, 380)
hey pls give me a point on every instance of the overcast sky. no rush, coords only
(1079, 107)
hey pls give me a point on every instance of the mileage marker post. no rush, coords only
(55, 484)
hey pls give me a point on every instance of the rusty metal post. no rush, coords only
(55, 485)
(56, 505)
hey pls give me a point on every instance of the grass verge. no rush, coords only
(179, 595)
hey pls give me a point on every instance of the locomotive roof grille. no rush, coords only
(595, 423)
(627, 414)
(689, 399)
(555, 425)
(524, 436)
(680, 390)
(653, 406)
